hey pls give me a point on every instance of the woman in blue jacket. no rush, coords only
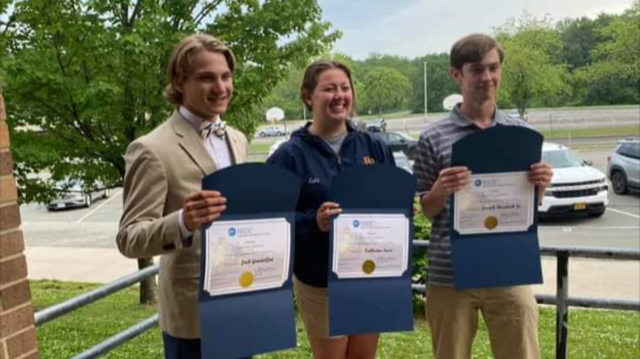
(317, 152)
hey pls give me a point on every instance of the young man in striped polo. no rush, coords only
(511, 313)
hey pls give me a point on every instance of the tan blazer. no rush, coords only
(162, 168)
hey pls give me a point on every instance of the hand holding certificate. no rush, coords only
(370, 245)
(495, 203)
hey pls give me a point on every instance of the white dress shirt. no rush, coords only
(217, 148)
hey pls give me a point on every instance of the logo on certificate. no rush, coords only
(478, 183)
(356, 223)
(368, 266)
(232, 232)
(491, 222)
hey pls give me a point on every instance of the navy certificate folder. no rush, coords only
(372, 305)
(243, 324)
(497, 259)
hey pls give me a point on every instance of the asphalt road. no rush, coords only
(91, 227)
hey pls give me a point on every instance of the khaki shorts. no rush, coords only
(313, 304)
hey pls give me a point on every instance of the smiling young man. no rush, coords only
(510, 313)
(164, 205)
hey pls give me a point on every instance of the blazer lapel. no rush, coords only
(191, 142)
(237, 151)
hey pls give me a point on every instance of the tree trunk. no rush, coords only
(148, 287)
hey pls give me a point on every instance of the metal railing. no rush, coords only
(561, 300)
(55, 311)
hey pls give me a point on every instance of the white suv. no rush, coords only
(576, 187)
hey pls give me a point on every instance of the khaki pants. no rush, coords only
(510, 313)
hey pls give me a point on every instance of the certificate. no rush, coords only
(370, 245)
(495, 203)
(246, 255)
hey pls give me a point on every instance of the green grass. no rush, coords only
(264, 147)
(592, 333)
(581, 108)
(608, 131)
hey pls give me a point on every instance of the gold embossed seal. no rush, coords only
(368, 266)
(246, 279)
(491, 222)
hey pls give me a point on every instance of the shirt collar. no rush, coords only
(194, 120)
(461, 120)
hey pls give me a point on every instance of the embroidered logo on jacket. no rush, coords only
(368, 160)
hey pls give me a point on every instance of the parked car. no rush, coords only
(270, 131)
(74, 193)
(515, 114)
(623, 166)
(576, 187)
(376, 125)
(402, 161)
(400, 141)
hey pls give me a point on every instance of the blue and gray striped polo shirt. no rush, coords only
(434, 155)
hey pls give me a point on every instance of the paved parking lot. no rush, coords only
(80, 244)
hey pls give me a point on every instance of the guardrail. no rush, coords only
(562, 301)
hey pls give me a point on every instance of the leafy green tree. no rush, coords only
(398, 63)
(439, 83)
(622, 49)
(84, 78)
(617, 57)
(286, 95)
(384, 89)
(613, 74)
(579, 37)
(529, 72)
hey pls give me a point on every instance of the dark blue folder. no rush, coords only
(243, 324)
(500, 259)
(372, 305)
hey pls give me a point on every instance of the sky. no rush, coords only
(413, 28)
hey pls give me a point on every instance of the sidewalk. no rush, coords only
(99, 265)
(587, 277)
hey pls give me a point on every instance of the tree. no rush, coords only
(529, 72)
(84, 78)
(617, 56)
(286, 95)
(579, 37)
(439, 83)
(398, 63)
(621, 50)
(384, 89)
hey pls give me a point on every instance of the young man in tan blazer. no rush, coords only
(164, 205)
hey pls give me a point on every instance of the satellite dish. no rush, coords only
(275, 114)
(451, 101)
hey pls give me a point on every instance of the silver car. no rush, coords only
(275, 131)
(623, 166)
(74, 194)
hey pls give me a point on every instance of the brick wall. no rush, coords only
(17, 331)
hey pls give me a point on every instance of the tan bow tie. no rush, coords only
(219, 128)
